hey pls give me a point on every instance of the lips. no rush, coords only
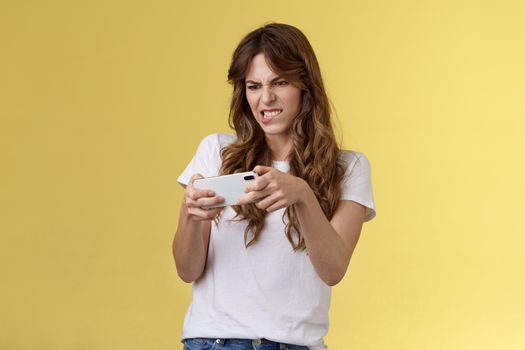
(267, 115)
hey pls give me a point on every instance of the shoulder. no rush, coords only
(357, 183)
(212, 144)
(207, 158)
(355, 159)
(225, 140)
(217, 141)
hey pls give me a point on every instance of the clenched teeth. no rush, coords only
(272, 113)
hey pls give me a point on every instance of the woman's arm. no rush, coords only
(330, 244)
(190, 245)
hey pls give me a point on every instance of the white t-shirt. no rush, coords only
(266, 290)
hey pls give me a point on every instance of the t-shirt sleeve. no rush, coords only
(357, 185)
(206, 160)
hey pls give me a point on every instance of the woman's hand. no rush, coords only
(195, 199)
(273, 189)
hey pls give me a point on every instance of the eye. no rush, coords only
(281, 83)
(252, 87)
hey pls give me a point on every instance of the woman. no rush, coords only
(262, 272)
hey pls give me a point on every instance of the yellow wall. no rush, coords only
(102, 104)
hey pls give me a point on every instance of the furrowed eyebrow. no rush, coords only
(254, 82)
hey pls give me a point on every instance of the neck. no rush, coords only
(280, 146)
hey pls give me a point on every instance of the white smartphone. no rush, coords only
(230, 187)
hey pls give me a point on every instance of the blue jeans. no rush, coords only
(237, 344)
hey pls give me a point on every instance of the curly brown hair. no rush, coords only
(315, 155)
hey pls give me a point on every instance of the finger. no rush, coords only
(207, 201)
(196, 193)
(202, 202)
(254, 196)
(258, 184)
(276, 206)
(195, 177)
(204, 214)
(261, 169)
(192, 180)
(267, 202)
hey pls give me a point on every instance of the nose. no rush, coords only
(267, 95)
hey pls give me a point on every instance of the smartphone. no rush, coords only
(230, 187)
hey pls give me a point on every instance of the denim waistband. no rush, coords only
(235, 343)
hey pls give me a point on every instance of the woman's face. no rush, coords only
(274, 101)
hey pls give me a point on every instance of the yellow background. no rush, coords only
(102, 105)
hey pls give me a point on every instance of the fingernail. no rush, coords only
(211, 193)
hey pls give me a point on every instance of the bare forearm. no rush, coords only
(327, 251)
(189, 248)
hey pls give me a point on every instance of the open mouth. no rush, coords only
(269, 114)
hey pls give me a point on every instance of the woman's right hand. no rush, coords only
(195, 199)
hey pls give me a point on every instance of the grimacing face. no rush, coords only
(274, 101)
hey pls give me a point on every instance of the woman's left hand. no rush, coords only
(273, 189)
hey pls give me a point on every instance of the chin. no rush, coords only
(275, 131)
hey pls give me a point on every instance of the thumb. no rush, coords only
(261, 169)
(195, 177)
